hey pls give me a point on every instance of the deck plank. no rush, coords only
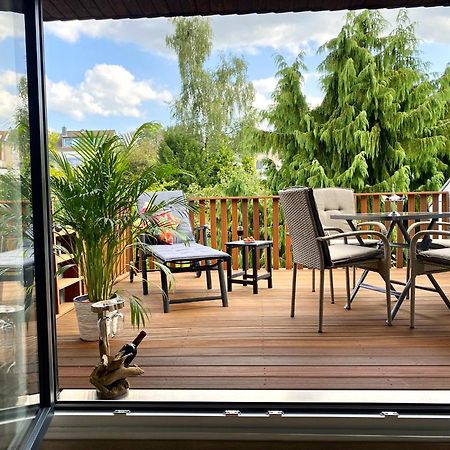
(254, 344)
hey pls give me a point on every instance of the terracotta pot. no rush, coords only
(88, 320)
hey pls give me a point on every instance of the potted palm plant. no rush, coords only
(96, 199)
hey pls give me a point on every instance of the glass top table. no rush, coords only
(396, 219)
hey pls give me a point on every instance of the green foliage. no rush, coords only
(183, 151)
(97, 199)
(52, 140)
(383, 121)
(213, 102)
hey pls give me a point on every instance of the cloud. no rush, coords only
(9, 99)
(107, 90)
(147, 34)
(11, 25)
(249, 33)
(432, 24)
(313, 101)
(263, 91)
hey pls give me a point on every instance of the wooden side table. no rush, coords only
(243, 277)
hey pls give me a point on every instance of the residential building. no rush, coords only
(66, 141)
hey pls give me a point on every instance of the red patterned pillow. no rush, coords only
(166, 220)
(169, 222)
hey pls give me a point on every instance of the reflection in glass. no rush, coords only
(18, 337)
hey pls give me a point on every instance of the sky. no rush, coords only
(117, 74)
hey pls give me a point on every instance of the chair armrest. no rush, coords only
(419, 234)
(338, 230)
(382, 237)
(418, 224)
(380, 225)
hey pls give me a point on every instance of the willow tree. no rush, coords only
(213, 103)
(381, 123)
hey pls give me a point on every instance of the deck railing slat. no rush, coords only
(254, 212)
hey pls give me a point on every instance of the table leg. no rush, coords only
(255, 269)
(356, 289)
(245, 262)
(438, 289)
(353, 228)
(400, 299)
(229, 271)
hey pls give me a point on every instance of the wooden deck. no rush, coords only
(255, 344)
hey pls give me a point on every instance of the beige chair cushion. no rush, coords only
(438, 255)
(342, 253)
(440, 243)
(331, 201)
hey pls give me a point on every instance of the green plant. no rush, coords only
(97, 199)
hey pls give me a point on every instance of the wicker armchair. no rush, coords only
(310, 246)
(332, 201)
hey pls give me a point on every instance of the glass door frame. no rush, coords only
(45, 318)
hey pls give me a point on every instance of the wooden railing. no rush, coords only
(261, 218)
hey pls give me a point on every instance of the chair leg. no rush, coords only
(408, 274)
(354, 277)
(294, 286)
(208, 276)
(412, 301)
(331, 286)
(223, 286)
(144, 275)
(387, 279)
(347, 282)
(322, 285)
(131, 271)
(165, 291)
(313, 288)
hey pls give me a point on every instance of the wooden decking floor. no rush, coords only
(255, 344)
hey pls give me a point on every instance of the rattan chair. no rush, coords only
(311, 249)
(435, 259)
(332, 201)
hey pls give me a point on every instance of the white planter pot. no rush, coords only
(88, 320)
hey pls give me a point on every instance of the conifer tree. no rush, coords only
(382, 122)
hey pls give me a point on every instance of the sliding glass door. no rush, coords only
(23, 302)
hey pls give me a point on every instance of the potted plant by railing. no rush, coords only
(96, 200)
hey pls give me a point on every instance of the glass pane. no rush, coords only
(19, 393)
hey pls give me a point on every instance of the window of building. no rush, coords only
(67, 142)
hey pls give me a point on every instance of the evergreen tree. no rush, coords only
(382, 120)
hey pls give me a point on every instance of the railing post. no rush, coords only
(213, 220)
(223, 222)
(234, 226)
(276, 233)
